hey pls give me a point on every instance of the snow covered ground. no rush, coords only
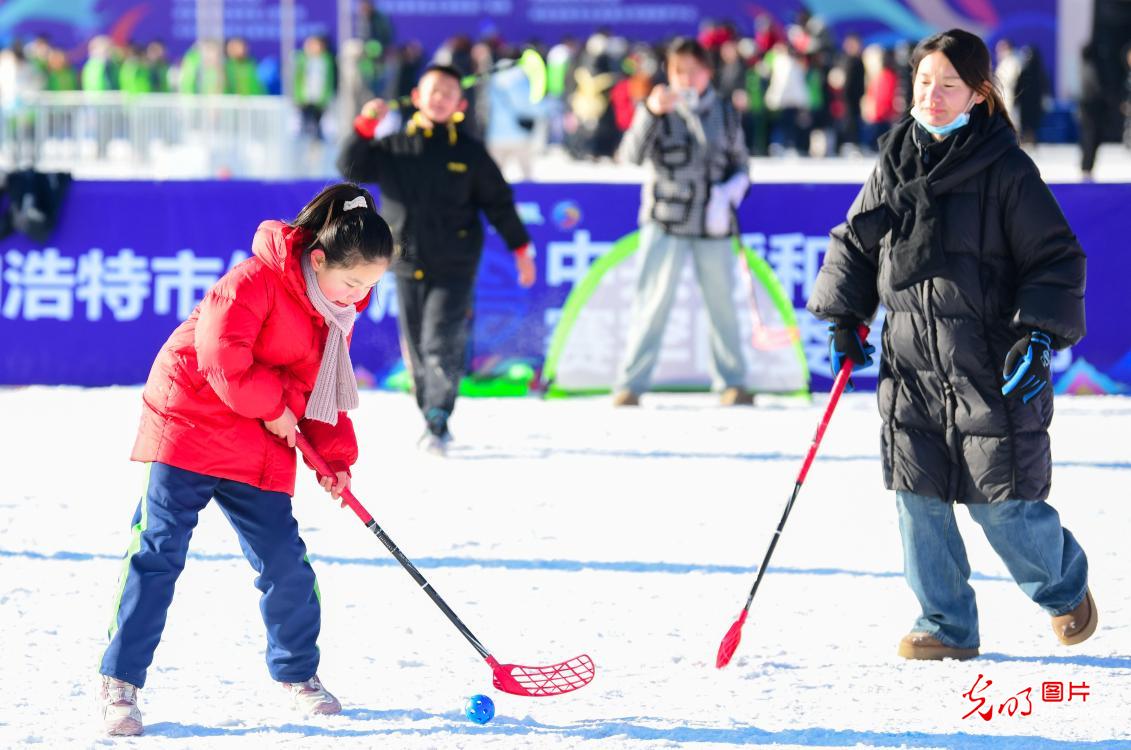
(557, 528)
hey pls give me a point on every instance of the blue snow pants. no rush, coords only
(268, 535)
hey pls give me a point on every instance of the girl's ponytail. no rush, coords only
(346, 226)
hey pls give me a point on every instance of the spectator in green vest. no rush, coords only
(559, 60)
(202, 69)
(750, 101)
(61, 75)
(36, 52)
(371, 65)
(822, 135)
(158, 67)
(134, 75)
(374, 25)
(100, 72)
(242, 72)
(314, 83)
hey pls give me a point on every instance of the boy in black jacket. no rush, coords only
(435, 179)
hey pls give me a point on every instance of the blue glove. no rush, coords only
(1026, 370)
(845, 344)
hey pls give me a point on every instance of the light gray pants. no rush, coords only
(663, 257)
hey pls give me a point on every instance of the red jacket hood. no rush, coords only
(280, 247)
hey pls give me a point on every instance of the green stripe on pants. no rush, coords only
(317, 593)
(135, 545)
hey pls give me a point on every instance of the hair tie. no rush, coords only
(358, 202)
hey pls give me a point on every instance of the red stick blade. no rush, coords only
(543, 681)
(730, 641)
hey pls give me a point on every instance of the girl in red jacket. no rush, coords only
(265, 352)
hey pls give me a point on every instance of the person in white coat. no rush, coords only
(513, 123)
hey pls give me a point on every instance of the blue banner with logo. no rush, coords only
(130, 260)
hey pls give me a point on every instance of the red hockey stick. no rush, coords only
(734, 634)
(510, 678)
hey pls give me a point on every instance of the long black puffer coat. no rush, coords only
(1012, 264)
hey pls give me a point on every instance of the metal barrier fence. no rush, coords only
(159, 136)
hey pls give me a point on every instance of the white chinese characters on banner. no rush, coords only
(184, 276)
(120, 282)
(45, 285)
(568, 262)
(38, 285)
(795, 258)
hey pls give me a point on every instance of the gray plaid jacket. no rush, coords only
(681, 170)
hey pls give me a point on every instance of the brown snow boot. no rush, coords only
(919, 645)
(735, 396)
(1079, 624)
(626, 398)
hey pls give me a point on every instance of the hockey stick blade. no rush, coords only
(540, 682)
(730, 641)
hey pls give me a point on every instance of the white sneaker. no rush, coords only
(120, 715)
(312, 698)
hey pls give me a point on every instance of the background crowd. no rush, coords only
(799, 88)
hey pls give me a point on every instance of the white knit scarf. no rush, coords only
(335, 389)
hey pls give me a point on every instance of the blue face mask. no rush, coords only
(944, 130)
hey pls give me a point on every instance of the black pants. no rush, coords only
(312, 121)
(850, 126)
(434, 320)
(1091, 124)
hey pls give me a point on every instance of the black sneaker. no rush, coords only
(437, 421)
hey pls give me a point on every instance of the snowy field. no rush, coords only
(557, 528)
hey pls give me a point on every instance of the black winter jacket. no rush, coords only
(1012, 264)
(431, 193)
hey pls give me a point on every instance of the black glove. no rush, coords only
(845, 344)
(1026, 370)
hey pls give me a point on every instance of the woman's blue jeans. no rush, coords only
(1042, 556)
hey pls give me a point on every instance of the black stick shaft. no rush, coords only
(348, 498)
(834, 396)
(773, 543)
(423, 583)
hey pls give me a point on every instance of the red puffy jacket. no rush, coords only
(253, 345)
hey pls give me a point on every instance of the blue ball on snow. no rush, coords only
(479, 709)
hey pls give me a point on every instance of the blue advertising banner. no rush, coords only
(130, 260)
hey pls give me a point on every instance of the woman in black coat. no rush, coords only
(958, 237)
